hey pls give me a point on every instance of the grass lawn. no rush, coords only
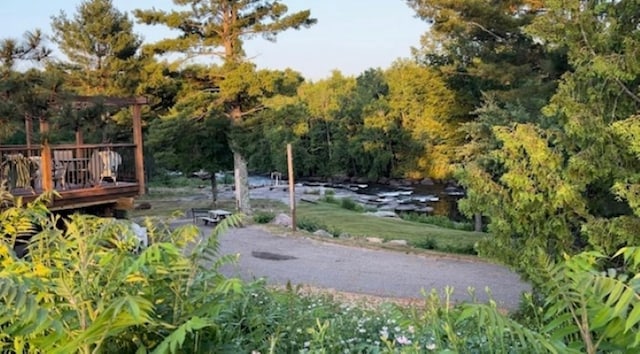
(167, 201)
(363, 225)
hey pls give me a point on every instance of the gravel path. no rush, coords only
(383, 273)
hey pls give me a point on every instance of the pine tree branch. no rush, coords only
(621, 84)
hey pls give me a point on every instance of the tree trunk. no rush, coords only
(243, 203)
(214, 189)
(478, 222)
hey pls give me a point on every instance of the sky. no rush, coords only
(351, 35)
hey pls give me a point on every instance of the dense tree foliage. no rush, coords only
(102, 59)
(558, 170)
(218, 28)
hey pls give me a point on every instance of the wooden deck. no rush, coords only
(82, 197)
(80, 174)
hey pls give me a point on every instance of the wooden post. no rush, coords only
(46, 165)
(28, 130)
(292, 187)
(79, 141)
(137, 140)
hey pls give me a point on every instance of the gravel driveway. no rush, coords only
(383, 273)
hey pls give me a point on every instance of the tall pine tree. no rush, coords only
(217, 28)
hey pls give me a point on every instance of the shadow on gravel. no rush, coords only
(272, 256)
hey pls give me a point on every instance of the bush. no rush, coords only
(427, 244)
(329, 198)
(438, 220)
(264, 217)
(349, 204)
(86, 288)
(310, 225)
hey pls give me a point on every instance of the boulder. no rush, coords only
(383, 180)
(143, 206)
(322, 233)
(282, 220)
(395, 183)
(374, 240)
(345, 235)
(426, 209)
(384, 214)
(427, 182)
(398, 242)
(406, 207)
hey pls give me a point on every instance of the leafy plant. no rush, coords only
(310, 224)
(350, 204)
(330, 198)
(593, 309)
(438, 220)
(84, 289)
(263, 217)
(427, 243)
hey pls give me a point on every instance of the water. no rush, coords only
(443, 200)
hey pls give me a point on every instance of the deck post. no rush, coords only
(46, 165)
(137, 140)
(79, 142)
(28, 130)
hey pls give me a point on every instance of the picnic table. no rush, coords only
(212, 216)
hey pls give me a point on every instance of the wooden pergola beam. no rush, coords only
(104, 100)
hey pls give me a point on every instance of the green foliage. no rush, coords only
(547, 180)
(330, 198)
(166, 300)
(205, 148)
(428, 243)
(263, 217)
(310, 224)
(85, 288)
(349, 204)
(592, 308)
(31, 48)
(438, 220)
(102, 48)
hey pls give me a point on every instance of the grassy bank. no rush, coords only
(362, 225)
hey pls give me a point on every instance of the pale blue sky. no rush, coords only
(351, 35)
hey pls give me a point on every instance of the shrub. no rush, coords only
(310, 225)
(330, 199)
(264, 217)
(329, 192)
(438, 220)
(348, 203)
(85, 289)
(427, 244)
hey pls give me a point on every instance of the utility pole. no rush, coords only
(292, 187)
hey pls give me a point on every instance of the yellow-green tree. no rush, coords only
(420, 100)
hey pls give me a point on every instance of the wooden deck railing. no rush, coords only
(29, 170)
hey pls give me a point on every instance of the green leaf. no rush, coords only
(633, 318)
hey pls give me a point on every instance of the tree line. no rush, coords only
(532, 105)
